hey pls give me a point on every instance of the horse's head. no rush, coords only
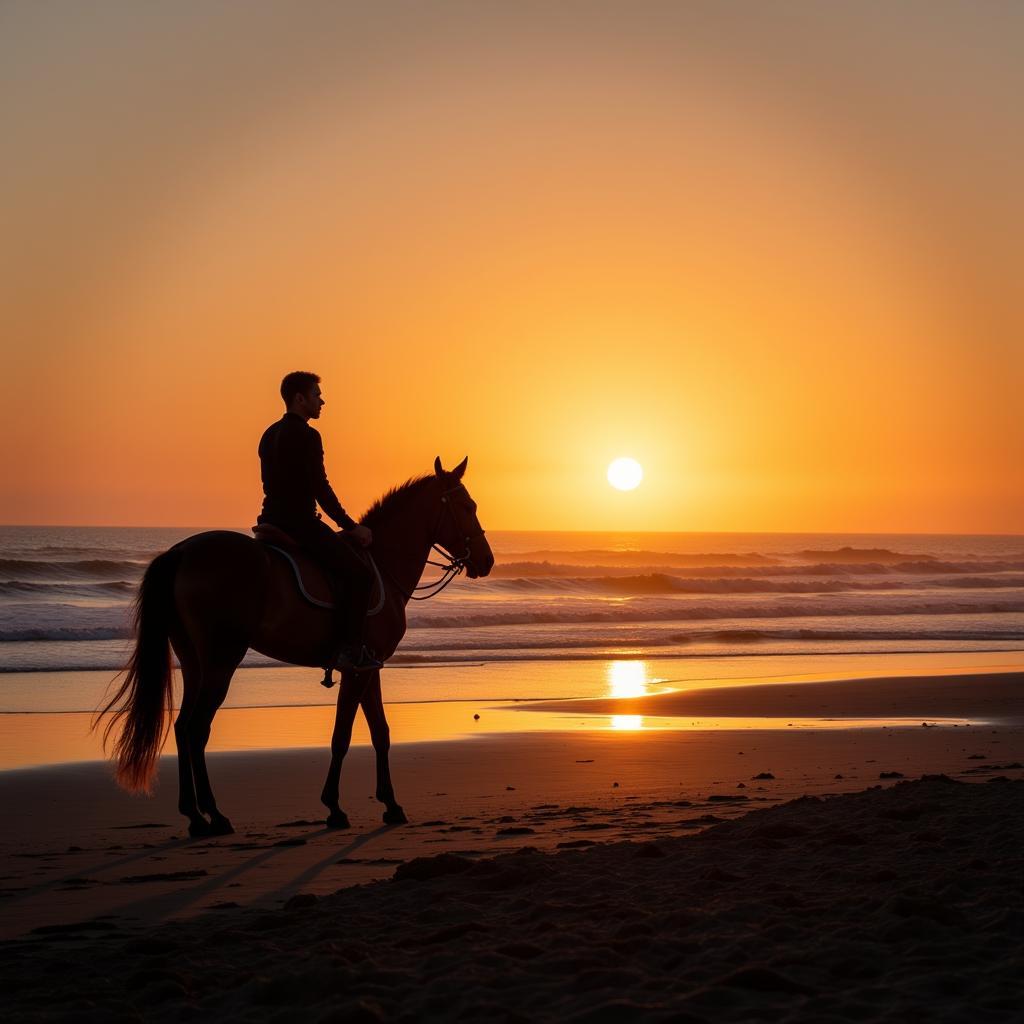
(459, 531)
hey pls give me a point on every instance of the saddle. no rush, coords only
(310, 576)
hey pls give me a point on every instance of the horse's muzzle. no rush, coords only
(477, 571)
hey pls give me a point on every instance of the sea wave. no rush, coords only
(65, 551)
(29, 633)
(693, 612)
(66, 589)
(663, 583)
(427, 647)
(589, 564)
(851, 557)
(112, 622)
(612, 556)
(611, 641)
(667, 583)
(113, 654)
(21, 569)
(859, 555)
(543, 570)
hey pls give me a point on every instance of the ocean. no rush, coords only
(66, 593)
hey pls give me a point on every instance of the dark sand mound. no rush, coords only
(984, 696)
(891, 904)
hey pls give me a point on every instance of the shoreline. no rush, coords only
(676, 651)
(945, 697)
(568, 675)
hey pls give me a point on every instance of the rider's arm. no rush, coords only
(324, 492)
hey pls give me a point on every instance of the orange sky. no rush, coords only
(767, 250)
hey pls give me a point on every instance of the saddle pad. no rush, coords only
(312, 580)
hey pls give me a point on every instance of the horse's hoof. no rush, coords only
(395, 816)
(199, 829)
(220, 826)
(338, 819)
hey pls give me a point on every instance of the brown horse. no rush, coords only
(215, 595)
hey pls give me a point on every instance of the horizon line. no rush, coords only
(503, 529)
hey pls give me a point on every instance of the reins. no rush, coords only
(451, 568)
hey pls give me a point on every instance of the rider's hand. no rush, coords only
(361, 533)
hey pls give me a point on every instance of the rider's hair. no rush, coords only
(297, 383)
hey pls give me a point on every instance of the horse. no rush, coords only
(214, 595)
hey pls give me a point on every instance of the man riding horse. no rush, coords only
(294, 483)
(216, 595)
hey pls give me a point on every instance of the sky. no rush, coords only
(769, 250)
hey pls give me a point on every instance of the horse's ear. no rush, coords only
(437, 466)
(460, 469)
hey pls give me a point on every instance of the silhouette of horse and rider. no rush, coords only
(213, 596)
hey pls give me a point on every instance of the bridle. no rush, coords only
(453, 565)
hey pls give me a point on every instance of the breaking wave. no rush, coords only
(17, 569)
(697, 612)
(64, 633)
(546, 570)
(70, 622)
(666, 583)
(68, 605)
(30, 587)
(884, 558)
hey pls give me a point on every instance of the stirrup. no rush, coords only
(328, 679)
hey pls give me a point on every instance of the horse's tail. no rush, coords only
(142, 704)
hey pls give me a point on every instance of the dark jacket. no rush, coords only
(294, 478)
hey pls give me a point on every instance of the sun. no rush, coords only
(625, 474)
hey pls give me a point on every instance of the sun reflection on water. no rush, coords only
(627, 679)
(627, 722)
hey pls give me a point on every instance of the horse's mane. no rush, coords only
(394, 500)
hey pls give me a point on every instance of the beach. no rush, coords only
(666, 777)
(698, 846)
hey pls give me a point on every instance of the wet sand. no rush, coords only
(286, 708)
(852, 907)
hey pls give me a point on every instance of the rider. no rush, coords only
(294, 482)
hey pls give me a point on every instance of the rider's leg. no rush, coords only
(352, 585)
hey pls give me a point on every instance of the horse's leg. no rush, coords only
(372, 702)
(191, 677)
(216, 680)
(341, 740)
(187, 803)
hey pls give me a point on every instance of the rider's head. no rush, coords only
(301, 393)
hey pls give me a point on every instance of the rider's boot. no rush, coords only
(352, 653)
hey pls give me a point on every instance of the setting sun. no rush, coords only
(625, 474)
